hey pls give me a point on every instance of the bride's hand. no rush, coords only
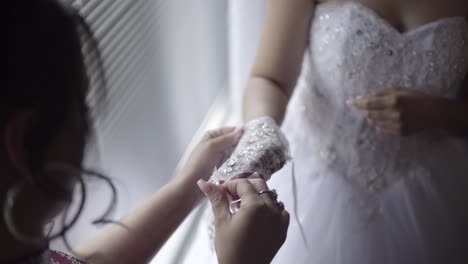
(208, 154)
(398, 111)
(256, 232)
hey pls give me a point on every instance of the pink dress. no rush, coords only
(49, 257)
(57, 257)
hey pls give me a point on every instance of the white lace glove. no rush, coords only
(262, 150)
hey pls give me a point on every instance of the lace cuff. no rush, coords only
(262, 150)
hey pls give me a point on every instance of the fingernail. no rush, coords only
(200, 183)
(204, 186)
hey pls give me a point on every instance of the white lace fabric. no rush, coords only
(262, 150)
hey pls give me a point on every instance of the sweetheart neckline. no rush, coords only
(385, 23)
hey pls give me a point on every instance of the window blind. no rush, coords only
(124, 31)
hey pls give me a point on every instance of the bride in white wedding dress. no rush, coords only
(374, 123)
(374, 100)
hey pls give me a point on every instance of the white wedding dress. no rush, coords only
(363, 197)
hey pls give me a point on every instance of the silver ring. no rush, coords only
(271, 192)
(280, 205)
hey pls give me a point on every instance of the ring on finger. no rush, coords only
(271, 192)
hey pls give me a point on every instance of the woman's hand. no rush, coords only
(398, 111)
(256, 232)
(208, 154)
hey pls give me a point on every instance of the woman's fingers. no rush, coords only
(210, 134)
(218, 199)
(243, 189)
(270, 199)
(248, 192)
(223, 138)
(268, 196)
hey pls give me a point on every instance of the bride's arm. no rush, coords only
(279, 58)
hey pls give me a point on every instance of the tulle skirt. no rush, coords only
(416, 220)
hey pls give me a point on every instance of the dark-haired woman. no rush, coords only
(44, 127)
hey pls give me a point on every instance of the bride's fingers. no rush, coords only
(370, 103)
(383, 116)
(389, 128)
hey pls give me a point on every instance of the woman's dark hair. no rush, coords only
(45, 67)
(51, 54)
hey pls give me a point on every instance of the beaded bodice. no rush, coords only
(354, 52)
